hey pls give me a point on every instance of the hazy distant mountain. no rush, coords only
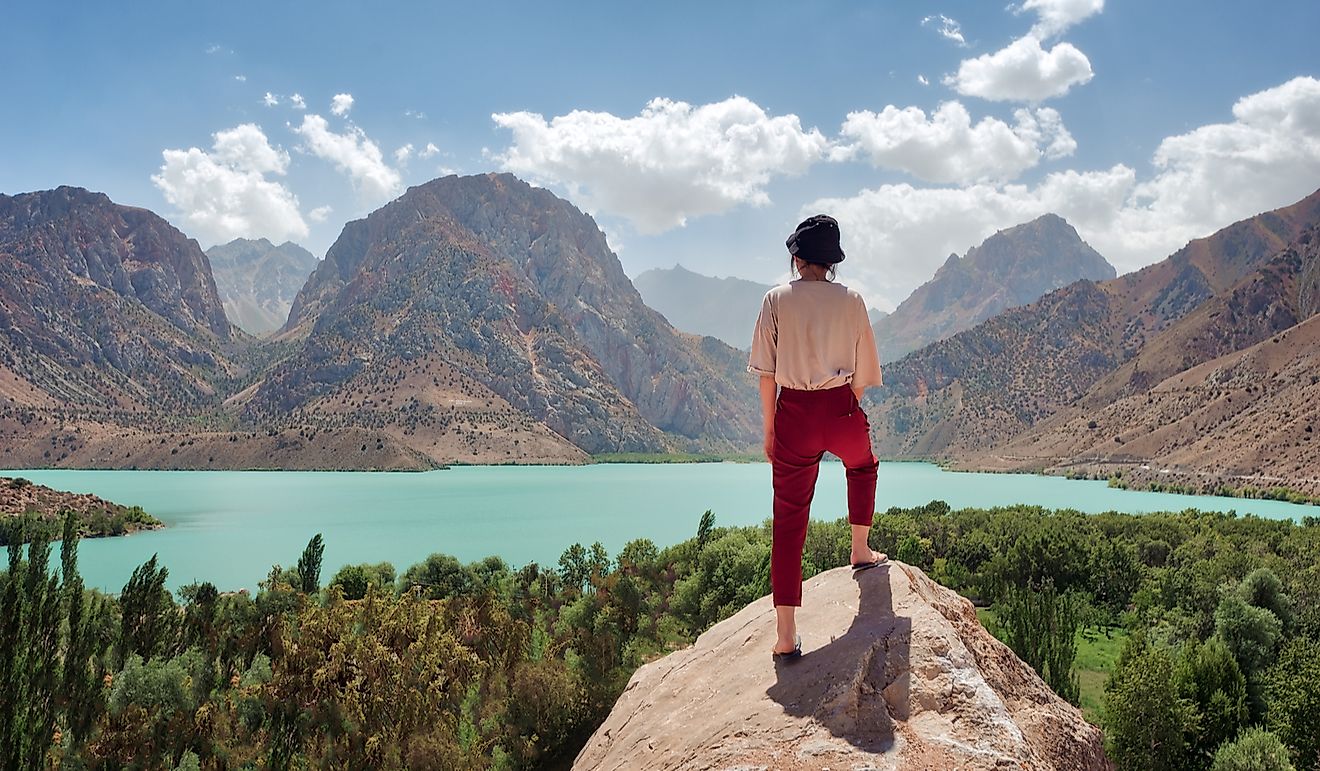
(258, 281)
(703, 305)
(480, 308)
(1011, 268)
(104, 307)
(979, 389)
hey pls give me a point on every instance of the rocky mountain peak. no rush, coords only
(258, 280)
(896, 673)
(70, 234)
(1011, 268)
(520, 289)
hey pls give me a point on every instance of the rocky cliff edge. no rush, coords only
(897, 673)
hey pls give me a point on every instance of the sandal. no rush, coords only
(789, 656)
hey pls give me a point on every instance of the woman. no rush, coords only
(813, 343)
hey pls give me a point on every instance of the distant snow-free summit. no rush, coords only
(258, 280)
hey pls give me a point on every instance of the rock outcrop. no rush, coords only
(897, 673)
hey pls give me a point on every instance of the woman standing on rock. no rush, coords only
(813, 345)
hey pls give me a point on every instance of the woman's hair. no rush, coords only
(830, 270)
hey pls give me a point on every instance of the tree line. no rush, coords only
(484, 665)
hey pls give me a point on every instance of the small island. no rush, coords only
(97, 517)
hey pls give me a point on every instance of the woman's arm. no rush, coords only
(768, 394)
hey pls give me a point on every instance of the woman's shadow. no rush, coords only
(856, 685)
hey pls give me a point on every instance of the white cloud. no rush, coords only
(341, 104)
(270, 100)
(948, 28)
(224, 194)
(947, 147)
(1269, 156)
(671, 162)
(429, 150)
(418, 114)
(353, 153)
(241, 78)
(319, 214)
(1058, 15)
(297, 102)
(1023, 71)
(922, 80)
(402, 155)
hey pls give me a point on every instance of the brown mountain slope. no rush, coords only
(986, 385)
(485, 291)
(105, 307)
(1011, 268)
(1223, 403)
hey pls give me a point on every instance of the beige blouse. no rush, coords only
(813, 335)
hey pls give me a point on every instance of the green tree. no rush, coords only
(1041, 627)
(574, 567)
(29, 644)
(80, 687)
(146, 613)
(1255, 750)
(1144, 719)
(704, 529)
(1208, 679)
(1292, 693)
(309, 566)
(1262, 589)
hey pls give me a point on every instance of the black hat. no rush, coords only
(816, 240)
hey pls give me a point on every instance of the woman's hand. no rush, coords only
(770, 445)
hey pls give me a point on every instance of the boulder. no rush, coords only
(897, 673)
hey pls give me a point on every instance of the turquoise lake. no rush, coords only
(229, 527)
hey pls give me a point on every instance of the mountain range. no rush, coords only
(473, 319)
(258, 280)
(1005, 393)
(707, 305)
(480, 319)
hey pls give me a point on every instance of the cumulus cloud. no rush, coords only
(1058, 15)
(429, 150)
(948, 147)
(224, 194)
(270, 100)
(1269, 156)
(671, 162)
(922, 80)
(241, 78)
(319, 214)
(340, 104)
(948, 28)
(1023, 72)
(297, 102)
(402, 154)
(354, 154)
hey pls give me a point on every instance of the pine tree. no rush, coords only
(309, 566)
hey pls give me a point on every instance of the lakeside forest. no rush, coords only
(491, 666)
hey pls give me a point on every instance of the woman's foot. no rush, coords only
(868, 558)
(786, 636)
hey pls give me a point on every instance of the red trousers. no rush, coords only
(807, 424)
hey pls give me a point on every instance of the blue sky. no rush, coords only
(697, 133)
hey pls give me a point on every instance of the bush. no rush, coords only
(1255, 750)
